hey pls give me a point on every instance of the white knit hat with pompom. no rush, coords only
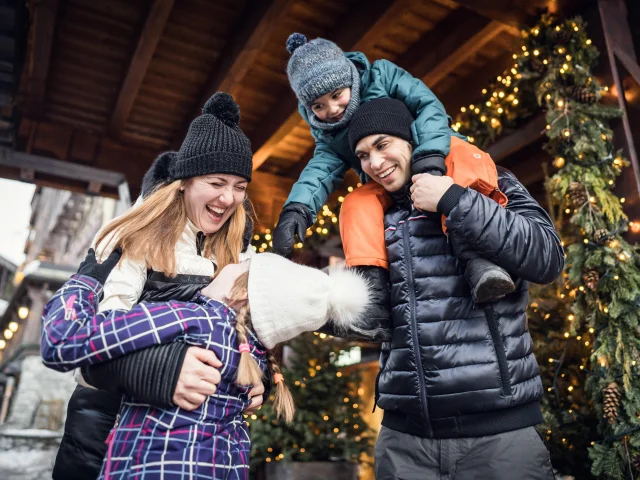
(287, 299)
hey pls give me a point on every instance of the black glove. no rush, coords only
(100, 271)
(432, 164)
(294, 220)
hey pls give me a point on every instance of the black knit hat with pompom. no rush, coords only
(215, 143)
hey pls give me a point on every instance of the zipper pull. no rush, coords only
(199, 243)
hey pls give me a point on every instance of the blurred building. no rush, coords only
(34, 398)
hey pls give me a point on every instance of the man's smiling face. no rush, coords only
(386, 159)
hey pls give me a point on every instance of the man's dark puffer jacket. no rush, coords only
(454, 368)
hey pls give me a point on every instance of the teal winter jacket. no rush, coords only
(332, 157)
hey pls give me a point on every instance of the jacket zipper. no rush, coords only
(109, 442)
(199, 243)
(501, 356)
(414, 327)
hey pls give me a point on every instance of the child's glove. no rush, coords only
(432, 164)
(294, 219)
(100, 271)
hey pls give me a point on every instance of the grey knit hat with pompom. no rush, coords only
(214, 143)
(319, 67)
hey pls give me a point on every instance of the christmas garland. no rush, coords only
(602, 274)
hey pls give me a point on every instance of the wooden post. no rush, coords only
(620, 70)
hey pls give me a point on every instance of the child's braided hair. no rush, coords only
(249, 372)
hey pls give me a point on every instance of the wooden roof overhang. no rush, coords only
(109, 85)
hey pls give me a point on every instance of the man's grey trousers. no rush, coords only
(516, 455)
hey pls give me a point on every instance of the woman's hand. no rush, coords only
(256, 394)
(199, 378)
(221, 286)
(100, 271)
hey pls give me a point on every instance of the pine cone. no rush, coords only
(577, 194)
(591, 279)
(584, 95)
(611, 401)
(601, 235)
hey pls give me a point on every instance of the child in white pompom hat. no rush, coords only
(245, 312)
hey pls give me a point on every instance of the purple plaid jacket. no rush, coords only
(151, 443)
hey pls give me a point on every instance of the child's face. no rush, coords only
(330, 108)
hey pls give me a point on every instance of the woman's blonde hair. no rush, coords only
(249, 372)
(151, 230)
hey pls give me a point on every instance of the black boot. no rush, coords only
(488, 281)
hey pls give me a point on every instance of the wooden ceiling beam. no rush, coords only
(251, 32)
(139, 63)
(44, 21)
(367, 19)
(462, 52)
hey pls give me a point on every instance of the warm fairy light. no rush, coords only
(622, 200)
(560, 103)
(536, 52)
(566, 334)
(559, 163)
(463, 109)
(570, 318)
(588, 42)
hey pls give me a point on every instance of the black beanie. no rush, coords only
(159, 173)
(215, 143)
(382, 115)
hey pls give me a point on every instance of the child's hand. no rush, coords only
(294, 220)
(221, 286)
(100, 271)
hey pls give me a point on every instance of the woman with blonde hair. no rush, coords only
(192, 222)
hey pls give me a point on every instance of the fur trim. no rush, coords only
(349, 297)
(158, 174)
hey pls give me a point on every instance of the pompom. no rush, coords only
(294, 41)
(159, 173)
(222, 106)
(349, 296)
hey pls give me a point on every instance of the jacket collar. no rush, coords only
(402, 197)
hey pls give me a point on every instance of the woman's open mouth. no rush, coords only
(216, 213)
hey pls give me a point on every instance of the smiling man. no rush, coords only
(459, 383)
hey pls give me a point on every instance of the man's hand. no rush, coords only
(427, 190)
(257, 399)
(199, 378)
